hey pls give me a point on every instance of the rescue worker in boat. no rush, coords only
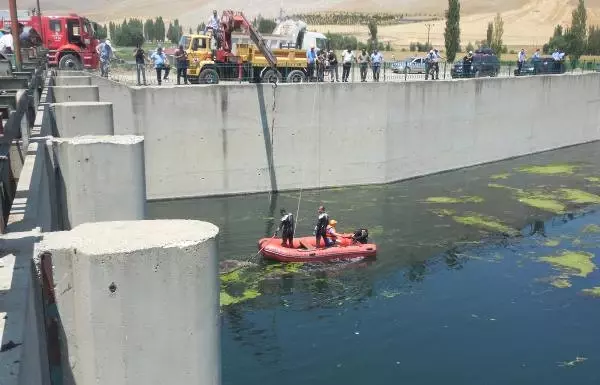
(321, 227)
(286, 226)
(332, 236)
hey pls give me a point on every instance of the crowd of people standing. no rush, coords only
(325, 62)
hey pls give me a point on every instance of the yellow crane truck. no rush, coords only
(256, 62)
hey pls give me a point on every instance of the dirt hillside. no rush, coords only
(526, 22)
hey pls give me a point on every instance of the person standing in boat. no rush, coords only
(321, 227)
(286, 226)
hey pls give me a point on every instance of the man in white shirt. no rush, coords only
(376, 62)
(521, 57)
(6, 41)
(213, 25)
(347, 59)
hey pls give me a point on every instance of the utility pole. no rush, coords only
(428, 26)
(15, 32)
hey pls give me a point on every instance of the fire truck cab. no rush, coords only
(70, 40)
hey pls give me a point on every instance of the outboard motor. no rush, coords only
(361, 236)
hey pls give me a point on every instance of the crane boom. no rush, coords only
(231, 20)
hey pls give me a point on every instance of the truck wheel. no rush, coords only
(70, 62)
(193, 80)
(208, 76)
(270, 75)
(296, 76)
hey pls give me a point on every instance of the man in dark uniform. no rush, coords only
(321, 227)
(286, 226)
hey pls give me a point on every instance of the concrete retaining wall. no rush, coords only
(122, 99)
(211, 140)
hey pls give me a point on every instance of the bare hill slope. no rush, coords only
(527, 22)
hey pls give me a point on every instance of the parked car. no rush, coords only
(412, 65)
(543, 65)
(484, 64)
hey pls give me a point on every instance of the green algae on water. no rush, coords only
(561, 283)
(576, 263)
(594, 292)
(226, 299)
(501, 176)
(591, 229)
(579, 196)
(593, 179)
(552, 242)
(442, 212)
(463, 199)
(550, 169)
(550, 205)
(484, 222)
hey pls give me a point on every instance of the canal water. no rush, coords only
(485, 275)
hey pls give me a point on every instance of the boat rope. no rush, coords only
(274, 82)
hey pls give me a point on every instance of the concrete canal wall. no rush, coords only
(213, 140)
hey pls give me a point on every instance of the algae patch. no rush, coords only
(577, 263)
(550, 205)
(579, 196)
(484, 222)
(550, 169)
(226, 299)
(591, 229)
(561, 283)
(501, 176)
(593, 179)
(552, 242)
(463, 199)
(594, 292)
(442, 212)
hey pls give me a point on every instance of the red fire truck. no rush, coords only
(70, 40)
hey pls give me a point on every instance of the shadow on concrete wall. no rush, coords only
(56, 339)
(267, 135)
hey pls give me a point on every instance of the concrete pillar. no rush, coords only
(72, 119)
(138, 302)
(61, 94)
(99, 178)
(73, 81)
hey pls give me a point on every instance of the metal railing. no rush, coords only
(388, 72)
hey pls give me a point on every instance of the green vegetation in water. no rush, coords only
(576, 263)
(442, 212)
(561, 283)
(390, 293)
(226, 299)
(550, 205)
(550, 169)
(594, 292)
(552, 242)
(591, 229)
(487, 223)
(579, 196)
(593, 179)
(463, 199)
(501, 176)
(497, 185)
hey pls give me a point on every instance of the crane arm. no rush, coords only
(231, 20)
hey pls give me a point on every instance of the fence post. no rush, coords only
(405, 73)
(445, 63)
(384, 65)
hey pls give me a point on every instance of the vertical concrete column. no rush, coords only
(61, 94)
(72, 119)
(138, 302)
(73, 81)
(99, 178)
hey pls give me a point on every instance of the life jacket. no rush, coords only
(287, 223)
(328, 232)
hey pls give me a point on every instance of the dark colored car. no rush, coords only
(543, 65)
(484, 64)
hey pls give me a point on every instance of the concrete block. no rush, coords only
(73, 81)
(73, 119)
(70, 73)
(138, 302)
(99, 178)
(61, 94)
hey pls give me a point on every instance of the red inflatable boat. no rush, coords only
(304, 250)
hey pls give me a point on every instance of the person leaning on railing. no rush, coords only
(140, 64)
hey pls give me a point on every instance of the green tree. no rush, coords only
(266, 25)
(452, 31)
(577, 36)
(112, 29)
(149, 33)
(372, 42)
(498, 32)
(159, 29)
(489, 34)
(170, 32)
